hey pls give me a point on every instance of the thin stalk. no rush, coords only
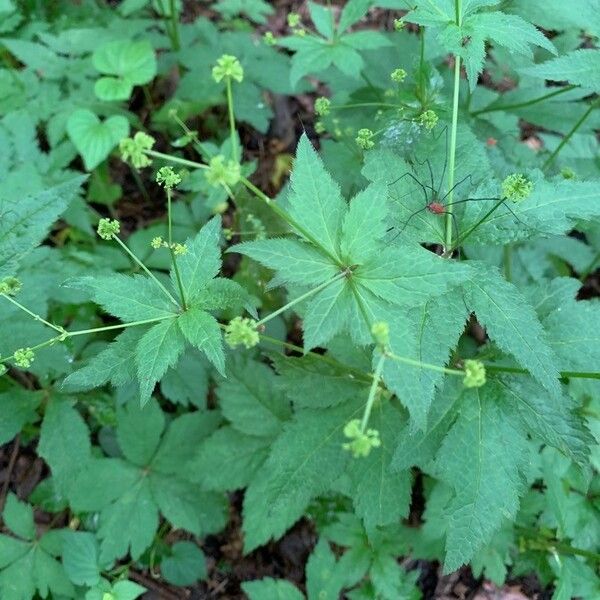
(461, 238)
(563, 374)
(172, 252)
(232, 129)
(289, 219)
(372, 393)
(176, 159)
(525, 103)
(119, 326)
(146, 270)
(549, 544)
(507, 261)
(308, 294)
(368, 105)
(174, 26)
(453, 135)
(571, 133)
(32, 314)
(422, 365)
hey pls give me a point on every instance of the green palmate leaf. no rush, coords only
(578, 68)
(323, 580)
(129, 496)
(126, 64)
(481, 458)
(353, 11)
(25, 221)
(250, 401)
(306, 457)
(202, 331)
(256, 10)
(202, 261)
(513, 325)
(18, 517)
(187, 382)
(316, 201)
(80, 557)
(185, 565)
(116, 364)
(547, 417)
(18, 408)
(95, 139)
(271, 589)
(130, 298)
(158, 349)
(380, 498)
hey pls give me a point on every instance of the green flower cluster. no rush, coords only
(220, 172)
(362, 442)
(10, 286)
(398, 75)
(474, 374)
(107, 228)
(24, 357)
(134, 149)
(322, 106)
(364, 139)
(381, 333)
(228, 67)
(241, 331)
(516, 187)
(428, 119)
(168, 178)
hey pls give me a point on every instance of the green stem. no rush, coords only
(308, 294)
(372, 393)
(461, 239)
(232, 129)
(176, 159)
(172, 252)
(174, 26)
(523, 104)
(422, 365)
(32, 314)
(119, 326)
(453, 136)
(549, 544)
(368, 105)
(563, 374)
(507, 261)
(146, 270)
(289, 220)
(571, 133)
(590, 268)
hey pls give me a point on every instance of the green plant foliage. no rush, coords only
(336, 281)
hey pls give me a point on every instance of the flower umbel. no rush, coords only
(516, 187)
(428, 119)
(107, 228)
(168, 178)
(241, 331)
(24, 357)
(399, 24)
(364, 139)
(10, 286)
(228, 67)
(220, 172)
(133, 149)
(269, 38)
(474, 374)
(381, 333)
(362, 442)
(398, 75)
(322, 106)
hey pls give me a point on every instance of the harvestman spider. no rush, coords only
(435, 202)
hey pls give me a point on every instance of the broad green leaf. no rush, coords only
(25, 221)
(18, 408)
(202, 331)
(578, 68)
(322, 17)
(126, 63)
(18, 517)
(353, 11)
(187, 382)
(80, 557)
(306, 457)
(512, 325)
(202, 261)
(256, 10)
(95, 139)
(271, 589)
(249, 399)
(323, 580)
(482, 458)
(316, 201)
(185, 565)
(158, 349)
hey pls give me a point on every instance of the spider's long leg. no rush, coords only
(416, 180)
(408, 221)
(454, 187)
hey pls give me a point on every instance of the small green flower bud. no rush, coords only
(220, 208)
(568, 173)
(168, 178)
(516, 187)
(322, 106)
(398, 75)
(241, 331)
(10, 286)
(293, 19)
(3, 369)
(399, 24)
(381, 333)
(320, 128)
(107, 228)
(179, 249)
(24, 357)
(428, 119)
(133, 149)
(364, 139)
(300, 32)
(229, 67)
(474, 374)
(157, 242)
(269, 39)
(221, 173)
(361, 442)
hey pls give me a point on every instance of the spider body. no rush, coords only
(437, 208)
